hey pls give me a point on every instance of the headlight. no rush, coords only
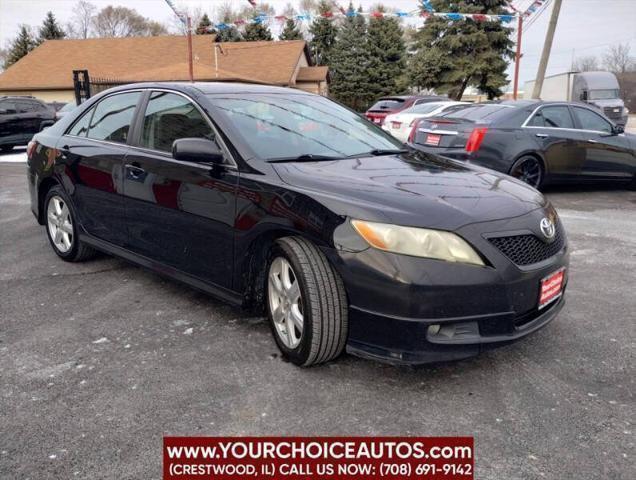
(418, 242)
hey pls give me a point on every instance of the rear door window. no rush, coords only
(169, 117)
(557, 116)
(589, 120)
(113, 116)
(81, 126)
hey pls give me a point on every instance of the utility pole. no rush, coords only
(190, 49)
(517, 54)
(545, 56)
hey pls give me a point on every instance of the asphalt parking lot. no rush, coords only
(99, 360)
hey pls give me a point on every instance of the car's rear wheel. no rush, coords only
(528, 169)
(61, 227)
(306, 303)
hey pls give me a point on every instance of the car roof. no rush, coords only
(214, 87)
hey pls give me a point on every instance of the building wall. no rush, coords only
(313, 87)
(44, 95)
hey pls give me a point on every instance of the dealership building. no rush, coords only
(47, 72)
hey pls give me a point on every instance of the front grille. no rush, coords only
(529, 249)
(609, 112)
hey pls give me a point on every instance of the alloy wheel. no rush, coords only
(528, 171)
(285, 302)
(60, 224)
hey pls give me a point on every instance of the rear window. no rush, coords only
(388, 104)
(477, 113)
(423, 108)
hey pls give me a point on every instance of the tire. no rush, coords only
(65, 221)
(528, 169)
(322, 303)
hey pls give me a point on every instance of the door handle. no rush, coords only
(542, 135)
(591, 140)
(135, 170)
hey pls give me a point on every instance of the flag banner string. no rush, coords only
(306, 17)
(427, 11)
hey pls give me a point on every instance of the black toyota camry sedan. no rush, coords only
(278, 199)
(537, 142)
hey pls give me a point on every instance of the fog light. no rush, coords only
(433, 329)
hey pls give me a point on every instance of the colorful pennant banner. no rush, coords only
(306, 17)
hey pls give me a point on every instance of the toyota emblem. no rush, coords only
(547, 228)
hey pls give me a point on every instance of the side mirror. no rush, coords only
(200, 150)
(618, 129)
(584, 96)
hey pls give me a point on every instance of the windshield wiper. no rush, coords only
(387, 151)
(378, 152)
(307, 157)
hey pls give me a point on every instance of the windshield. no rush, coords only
(606, 94)
(287, 126)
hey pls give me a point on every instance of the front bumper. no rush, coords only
(414, 310)
(409, 341)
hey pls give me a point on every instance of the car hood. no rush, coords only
(413, 189)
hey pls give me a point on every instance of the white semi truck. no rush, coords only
(600, 89)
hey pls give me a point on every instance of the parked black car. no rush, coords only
(279, 199)
(537, 142)
(21, 118)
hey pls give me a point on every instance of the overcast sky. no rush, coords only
(586, 27)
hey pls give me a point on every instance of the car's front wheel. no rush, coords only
(528, 169)
(306, 303)
(61, 227)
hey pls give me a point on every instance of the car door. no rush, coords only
(180, 214)
(606, 154)
(93, 150)
(561, 144)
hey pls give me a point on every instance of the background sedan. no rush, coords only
(537, 142)
(401, 124)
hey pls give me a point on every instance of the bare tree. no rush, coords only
(308, 6)
(124, 22)
(617, 59)
(4, 53)
(179, 26)
(585, 64)
(81, 21)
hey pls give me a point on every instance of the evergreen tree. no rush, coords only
(451, 55)
(228, 34)
(205, 26)
(349, 61)
(20, 46)
(50, 29)
(324, 33)
(257, 31)
(387, 55)
(291, 31)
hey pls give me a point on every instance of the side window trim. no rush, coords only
(139, 120)
(93, 107)
(539, 109)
